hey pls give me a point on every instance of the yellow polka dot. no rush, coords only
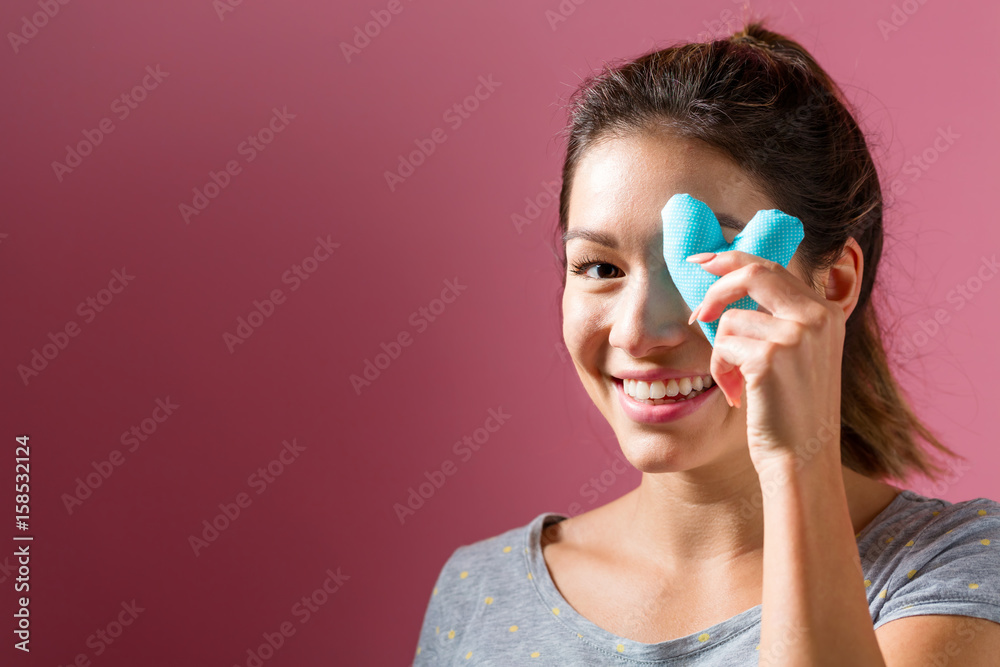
(973, 586)
(757, 647)
(935, 512)
(882, 593)
(857, 534)
(513, 628)
(555, 610)
(437, 629)
(451, 634)
(418, 650)
(506, 550)
(435, 590)
(985, 543)
(621, 647)
(464, 575)
(889, 539)
(868, 582)
(529, 575)
(525, 549)
(535, 654)
(948, 531)
(909, 575)
(579, 635)
(982, 512)
(468, 655)
(703, 637)
(907, 606)
(910, 543)
(489, 600)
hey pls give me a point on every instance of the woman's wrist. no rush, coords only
(796, 464)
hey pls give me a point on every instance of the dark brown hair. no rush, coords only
(763, 100)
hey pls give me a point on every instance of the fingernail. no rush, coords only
(701, 257)
(694, 315)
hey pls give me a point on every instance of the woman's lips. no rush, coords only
(641, 411)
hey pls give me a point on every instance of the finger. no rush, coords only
(729, 354)
(757, 325)
(776, 289)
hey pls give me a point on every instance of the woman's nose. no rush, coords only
(650, 314)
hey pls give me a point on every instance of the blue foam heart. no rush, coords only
(690, 227)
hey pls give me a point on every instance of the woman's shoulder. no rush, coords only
(917, 523)
(912, 510)
(498, 552)
(927, 555)
(475, 575)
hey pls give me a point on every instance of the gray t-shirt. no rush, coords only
(494, 602)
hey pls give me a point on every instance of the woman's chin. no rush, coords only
(660, 454)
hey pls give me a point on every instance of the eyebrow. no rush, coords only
(604, 239)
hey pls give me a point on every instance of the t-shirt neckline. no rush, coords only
(585, 630)
(582, 629)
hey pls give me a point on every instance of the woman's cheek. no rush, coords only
(583, 321)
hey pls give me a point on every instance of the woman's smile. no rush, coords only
(667, 409)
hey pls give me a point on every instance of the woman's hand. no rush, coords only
(789, 357)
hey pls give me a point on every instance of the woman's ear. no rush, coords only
(842, 281)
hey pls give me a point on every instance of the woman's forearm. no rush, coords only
(815, 611)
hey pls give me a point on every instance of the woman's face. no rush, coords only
(624, 316)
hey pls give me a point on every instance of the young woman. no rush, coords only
(761, 532)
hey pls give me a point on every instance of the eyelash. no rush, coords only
(580, 268)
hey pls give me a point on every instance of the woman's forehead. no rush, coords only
(622, 184)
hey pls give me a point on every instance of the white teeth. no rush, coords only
(642, 390)
(659, 389)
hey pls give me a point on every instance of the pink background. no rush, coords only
(496, 346)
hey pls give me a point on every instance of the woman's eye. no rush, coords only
(596, 270)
